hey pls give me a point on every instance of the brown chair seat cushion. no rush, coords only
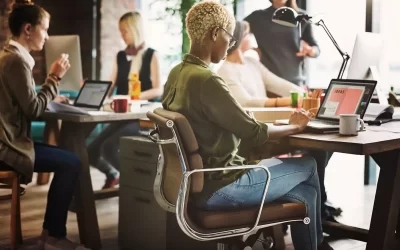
(272, 212)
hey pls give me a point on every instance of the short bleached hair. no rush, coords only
(205, 16)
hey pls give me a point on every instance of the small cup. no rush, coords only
(295, 99)
(119, 105)
(350, 124)
(311, 104)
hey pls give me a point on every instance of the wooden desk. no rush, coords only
(74, 131)
(384, 147)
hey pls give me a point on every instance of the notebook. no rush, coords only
(343, 96)
(89, 100)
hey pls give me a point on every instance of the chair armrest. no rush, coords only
(180, 207)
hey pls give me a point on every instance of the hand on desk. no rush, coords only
(300, 118)
(61, 99)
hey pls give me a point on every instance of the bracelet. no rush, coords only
(55, 76)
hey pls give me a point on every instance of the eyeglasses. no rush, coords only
(232, 42)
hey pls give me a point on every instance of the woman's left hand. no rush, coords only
(61, 99)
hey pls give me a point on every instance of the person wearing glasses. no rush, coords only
(203, 97)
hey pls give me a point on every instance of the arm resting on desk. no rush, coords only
(277, 132)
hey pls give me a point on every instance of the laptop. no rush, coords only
(343, 96)
(89, 100)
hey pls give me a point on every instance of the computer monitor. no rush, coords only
(366, 59)
(69, 44)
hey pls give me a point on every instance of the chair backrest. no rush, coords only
(179, 158)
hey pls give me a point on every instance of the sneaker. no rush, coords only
(324, 246)
(62, 244)
(42, 239)
(111, 182)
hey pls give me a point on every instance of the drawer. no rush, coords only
(142, 222)
(139, 148)
(137, 174)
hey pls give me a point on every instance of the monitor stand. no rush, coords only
(373, 74)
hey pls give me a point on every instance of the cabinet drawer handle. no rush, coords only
(143, 154)
(143, 200)
(143, 171)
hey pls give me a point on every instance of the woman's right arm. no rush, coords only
(113, 78)
(222, 109)
(20, 82)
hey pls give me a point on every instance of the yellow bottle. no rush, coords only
(134, 86)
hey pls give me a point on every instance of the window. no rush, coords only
(336, 15)
(385, 22)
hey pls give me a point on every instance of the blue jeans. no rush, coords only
(292, 179)
(66, 167)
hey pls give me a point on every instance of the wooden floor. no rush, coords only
(344, 185)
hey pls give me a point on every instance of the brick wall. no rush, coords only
(110, 38)
(4, 32)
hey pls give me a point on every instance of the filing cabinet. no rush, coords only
(143, 224)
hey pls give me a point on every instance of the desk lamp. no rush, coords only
(289, 17)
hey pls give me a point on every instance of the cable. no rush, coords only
(380, 122)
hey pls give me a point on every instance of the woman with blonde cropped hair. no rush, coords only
(220, 124)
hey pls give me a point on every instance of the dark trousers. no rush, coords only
(66, 167)
(108, 161)
(322, 158)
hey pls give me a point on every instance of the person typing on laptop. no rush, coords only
(193, 90)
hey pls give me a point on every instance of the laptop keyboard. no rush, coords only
(324, 122)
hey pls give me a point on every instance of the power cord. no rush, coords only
(380, 122)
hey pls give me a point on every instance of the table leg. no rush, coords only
(369, 171)
(51, 136)
(73, 139)
(387, 202)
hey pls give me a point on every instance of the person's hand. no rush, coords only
(300, 118)
(305, 49)
(61, 99)
(60, 66)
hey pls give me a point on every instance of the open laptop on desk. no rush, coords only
(89, 100)
(343, 96)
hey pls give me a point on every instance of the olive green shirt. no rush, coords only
(218, 121)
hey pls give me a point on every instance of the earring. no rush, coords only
(28, 37)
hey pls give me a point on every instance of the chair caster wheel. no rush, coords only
(267, 242)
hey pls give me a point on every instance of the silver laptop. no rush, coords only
(89, 100)
(343, 96)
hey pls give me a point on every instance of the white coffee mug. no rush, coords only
(350, 124)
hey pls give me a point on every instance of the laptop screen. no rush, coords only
(346, 97)
(92, 94)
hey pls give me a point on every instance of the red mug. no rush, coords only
(119, 105)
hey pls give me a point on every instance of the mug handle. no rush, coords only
(362, 127)
(112, 105)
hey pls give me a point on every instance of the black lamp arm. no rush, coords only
(322, 23)
(344, 55)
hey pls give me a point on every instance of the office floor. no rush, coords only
(344, 184)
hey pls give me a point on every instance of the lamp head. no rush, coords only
(286, 16)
